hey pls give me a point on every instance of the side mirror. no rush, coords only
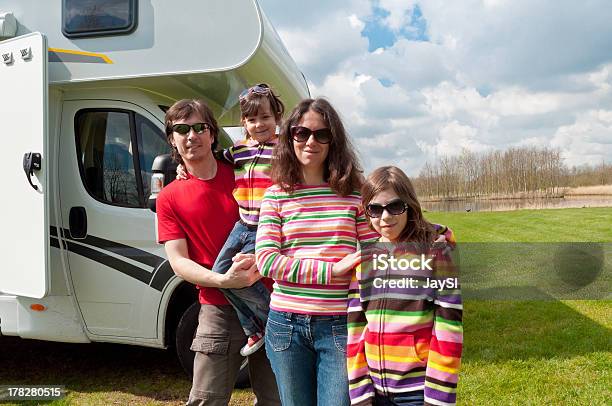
(164, 172)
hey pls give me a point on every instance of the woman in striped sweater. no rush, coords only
(310, 223)
(404, 341)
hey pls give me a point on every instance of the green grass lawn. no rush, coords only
(553, 352)
(549, 225)
(544, 352)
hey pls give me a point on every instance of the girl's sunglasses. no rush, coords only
(183, 129)
(261, 88)
(394, 208)
(301, 134)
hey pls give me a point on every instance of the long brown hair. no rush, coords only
(417, 229)
(342, 169)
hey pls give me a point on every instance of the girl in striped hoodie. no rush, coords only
(404, 340)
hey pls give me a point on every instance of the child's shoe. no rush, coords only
(255, 342)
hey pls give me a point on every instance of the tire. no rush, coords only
(185, 331)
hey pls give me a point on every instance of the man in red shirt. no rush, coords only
(195, 216)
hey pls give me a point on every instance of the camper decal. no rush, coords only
(98, 249)
(69, 55)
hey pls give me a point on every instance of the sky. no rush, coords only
(417, 80)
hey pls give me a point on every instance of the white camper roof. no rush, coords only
(179, 49)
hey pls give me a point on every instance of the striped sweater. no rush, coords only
(252, 163)
(402, 339)
(300, 236)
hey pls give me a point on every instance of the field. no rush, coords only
(536, 352)
(516, 352)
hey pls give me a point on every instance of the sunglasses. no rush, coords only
(302, 134)
(394, 208)
(261, 88)
(184, 129)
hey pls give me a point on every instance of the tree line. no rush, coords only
(524, 171)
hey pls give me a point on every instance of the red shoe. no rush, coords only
(255, 342)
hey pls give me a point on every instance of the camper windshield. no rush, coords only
(83, 18)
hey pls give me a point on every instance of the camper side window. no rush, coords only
(93, 18)
(151, 143)
(116, 149)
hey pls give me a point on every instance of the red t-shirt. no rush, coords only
(203, 212)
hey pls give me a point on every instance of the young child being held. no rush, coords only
(261, 111)
(404, 341)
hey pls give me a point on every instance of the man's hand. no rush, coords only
(241, 274)
(181, 172)
(242, 255)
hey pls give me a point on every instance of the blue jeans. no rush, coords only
(416, 398)
(308, 357)
(251, 303)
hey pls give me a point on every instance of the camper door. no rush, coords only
(23, 164)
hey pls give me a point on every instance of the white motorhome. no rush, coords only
(83, 89)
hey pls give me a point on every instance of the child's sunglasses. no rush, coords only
(183, 129)
(302, 134)
(394, 208)
(261, 88)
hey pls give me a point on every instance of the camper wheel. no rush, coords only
(185, 331)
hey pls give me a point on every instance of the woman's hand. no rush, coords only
(181, 173)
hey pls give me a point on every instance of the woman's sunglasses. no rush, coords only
(261, 88)
(184, 129)
(394, 208)
(302, 134)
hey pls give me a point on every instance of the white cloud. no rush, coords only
(452, 138)
(588, 140)
(356, 23)
(320, 48)
(399, 13)
(344, 92)
(520, 42)
(495, 74)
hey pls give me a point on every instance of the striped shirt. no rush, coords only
(402, 339)
(252, 163)
(300, 236)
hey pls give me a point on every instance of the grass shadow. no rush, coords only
(97, 367)
(524, 330)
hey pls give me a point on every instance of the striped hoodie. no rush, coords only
(402, 339)
(252, 163)
(300, 237)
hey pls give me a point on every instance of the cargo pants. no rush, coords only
(219, 338)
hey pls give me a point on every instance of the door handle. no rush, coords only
(78, 222)
(31, 162)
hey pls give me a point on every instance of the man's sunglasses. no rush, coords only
(394, 208)
(302, 134)
(184, 129)
(261, 88)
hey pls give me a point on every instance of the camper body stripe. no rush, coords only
(90, 247)
(69, 55)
